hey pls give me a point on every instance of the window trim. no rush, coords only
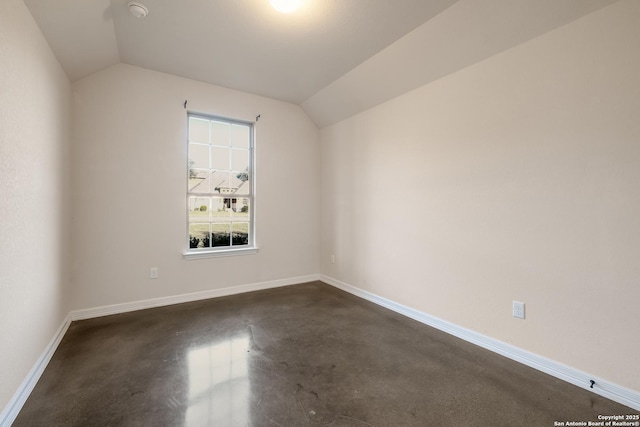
(224, 251)
(219, 253)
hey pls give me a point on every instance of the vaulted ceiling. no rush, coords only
(333, 57)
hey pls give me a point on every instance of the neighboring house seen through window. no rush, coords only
(220, 192)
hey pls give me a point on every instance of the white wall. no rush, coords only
(129, 212)
(514, 179)
(34, 196)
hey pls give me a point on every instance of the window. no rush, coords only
(220, 190)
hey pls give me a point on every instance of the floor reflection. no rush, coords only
(219, 384)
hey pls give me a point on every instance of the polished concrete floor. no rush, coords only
(304, 355)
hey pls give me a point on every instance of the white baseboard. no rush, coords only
(602, 387)
(195, 296)
(14, 406)
(576, 377)
(10, 412)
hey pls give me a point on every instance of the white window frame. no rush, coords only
(251, 247)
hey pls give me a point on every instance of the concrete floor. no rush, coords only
(304, 355)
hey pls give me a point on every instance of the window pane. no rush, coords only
(235, 179)
(199, 236)
(198, 130)
(240, 233)
(241, 209)
(198, 156)
(220, 158)
(232, 207)
(244, 186)
(221, 209)
(239, 160)
(199, 209)
(199, 181)
(221, 182)
(221, 234)
(240, 136)
(242, 176)
(220, 133)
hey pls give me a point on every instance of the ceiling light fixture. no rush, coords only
(138, 10)
(285, 6)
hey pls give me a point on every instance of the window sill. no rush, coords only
(219, 253)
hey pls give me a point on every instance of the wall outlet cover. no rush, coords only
(518, 309)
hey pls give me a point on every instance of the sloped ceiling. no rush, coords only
(333, 57)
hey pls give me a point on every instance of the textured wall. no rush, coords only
(34, 196)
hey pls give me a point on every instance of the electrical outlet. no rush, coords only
(333, 259)
(153, 273)
(518, 309)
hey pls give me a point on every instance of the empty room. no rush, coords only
(319, 212)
